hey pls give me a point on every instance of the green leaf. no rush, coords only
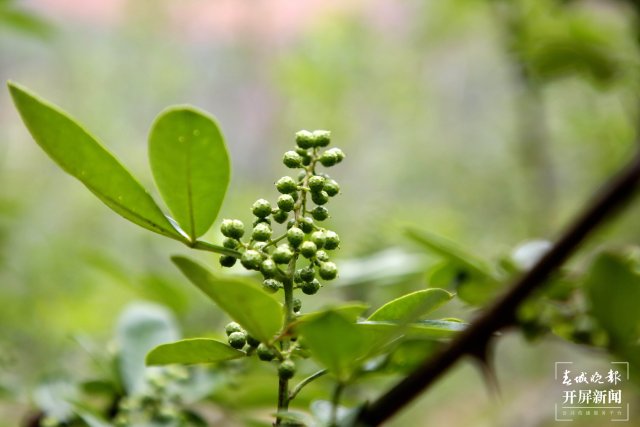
(450, 251)
(412, 306)
(190, 165)
(425, 329)
(259, 313)
(192, 351)
(350, 311)
(141, 327)
(613, 288)
(81, 155)
(337, 343)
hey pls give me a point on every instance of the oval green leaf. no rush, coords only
(256, 311)
(80, 154)
(190, 165)
(192, 351)
(412, 306)
(426, 329)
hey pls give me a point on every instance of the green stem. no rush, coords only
(210, 247)
(283, 383)
(298, 388)
(335, 403)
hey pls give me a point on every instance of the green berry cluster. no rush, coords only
(301, 209)
(238, 337)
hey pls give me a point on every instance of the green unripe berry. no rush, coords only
(338, 153)
(227, 261)
(258, 246)
(310, 288)
(261, 232)
(307, 274)
(320, 198)
(306, 224)
(282, 254)
(265, 353)
(331, 187)
(287, 369)
(320, 213)
(295, 236)
(252, 342)
(332, 240)
(328, 158)
(251, 259)
(305, 139)
(280, 216)
(291, 159)
(286, 185)
(322, 138)
(297, 305)
(302, 151)
(271, 285)
(232, 327)
(232, 228)
(306, 161)
(301, 175)
(322, 256)
(261, 208)
(318, 238)
(268, 268)
(230, 243)
(308, 249)
(286, 203)
(328, 271)
(237, 340)
(296, 277)
(316, 183)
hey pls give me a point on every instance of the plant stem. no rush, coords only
(335, 403)
(475, 340)
(210, 247)
(298, 388)
(283, 383)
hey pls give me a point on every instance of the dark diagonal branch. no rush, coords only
(502, 313)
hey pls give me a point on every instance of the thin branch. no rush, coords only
(502, 313)
(210, 247)
(304, 382)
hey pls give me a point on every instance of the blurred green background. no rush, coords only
(488, 122)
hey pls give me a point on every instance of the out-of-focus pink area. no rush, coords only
(274, 20)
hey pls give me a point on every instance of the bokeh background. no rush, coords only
(487, 122)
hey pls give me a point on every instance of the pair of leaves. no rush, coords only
(259, 313)
(352, 342)
(188, 158)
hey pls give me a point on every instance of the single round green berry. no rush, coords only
(251, 259)
(328, 158)
(280, 216)
(286, 185)
(308, 249)
(265, 353)
(237, 340)
(295, 236)
(328, 271)
(310, 288)
(318, 238)
(287, 369)
(227, 261)
(268, 268)
(338, 153)
(331, 187)
(296, 277)
(322, 256)
(261, 221)
(282, 254)
(302, 151)
(320, 213)
(253, 343)
(232, 228)
(286, 203)
(306, 224)
(297, 305)
(320, 198)
(232, 327)
(291, 159)
(306, 160)
(258, 246)
(332, 240)
(322, 138)
(261, 232)
(316, 183)
(230, 243)
(261, 208)
(305, 139)
(301, 175)
(271, 285)
(307, 274)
